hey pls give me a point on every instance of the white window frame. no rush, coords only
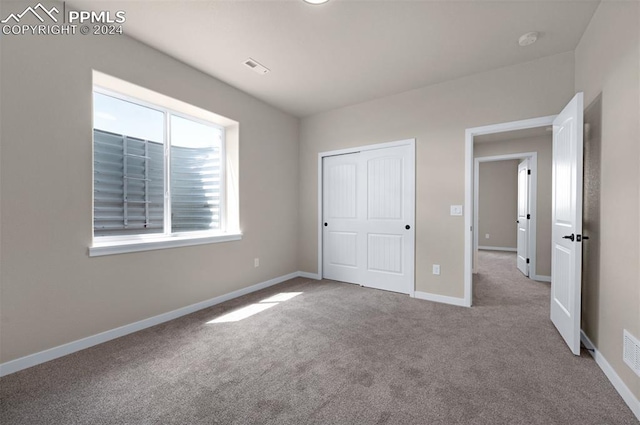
(107, 245)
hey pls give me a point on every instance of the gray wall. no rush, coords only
(543, 147)
(52, 292)
(608, 70)
(437, 117)
(498, 204)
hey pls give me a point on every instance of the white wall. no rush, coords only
(52, 292)
(437, 117)
(608, 71)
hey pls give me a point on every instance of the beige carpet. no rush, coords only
(334, 354)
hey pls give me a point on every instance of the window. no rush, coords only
(159, 176)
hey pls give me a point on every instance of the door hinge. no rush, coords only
(528, 216)
(529, 172)
(527, 261)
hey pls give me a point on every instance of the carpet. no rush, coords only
(332, 353)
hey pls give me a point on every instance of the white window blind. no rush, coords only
(128, 185)
(196, 179)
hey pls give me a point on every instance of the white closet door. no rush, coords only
(342, 217)
(389, 239)
(368, 218)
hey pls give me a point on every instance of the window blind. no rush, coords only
(128, 185)
(195, 189)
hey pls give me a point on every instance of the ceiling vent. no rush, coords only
(256, 66)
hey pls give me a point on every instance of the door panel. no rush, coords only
(523, 214)
(567, 222)
(343, 249)
(384, 188)
(562, 273)
(384, 253)
(341, 202)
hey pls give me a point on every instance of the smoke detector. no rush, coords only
(528, 38)
(256, 66)
(315, 1)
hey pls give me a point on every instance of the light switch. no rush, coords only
(436, 269)
(456, 209)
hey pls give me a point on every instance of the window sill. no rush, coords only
(120, 247)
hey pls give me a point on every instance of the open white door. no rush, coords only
(523, 217)
(566, 260)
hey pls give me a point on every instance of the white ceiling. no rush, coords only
(349, 51)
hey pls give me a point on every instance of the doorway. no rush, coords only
(470, 222)
(566, 240)
(507, 220)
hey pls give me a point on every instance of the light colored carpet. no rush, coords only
(335, 354)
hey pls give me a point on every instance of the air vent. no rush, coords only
(256, 66)
(631, 352)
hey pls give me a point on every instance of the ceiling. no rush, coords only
(348, 51)
(515, 135)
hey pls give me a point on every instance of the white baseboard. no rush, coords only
(618, 384)
(541, 278)
(498, 248)
(308, 275)
(71, 347)
(440, 298)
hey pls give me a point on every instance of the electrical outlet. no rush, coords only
(486, 236)
(631, 351)
(256, 262)
(436, 269)
(456, 209)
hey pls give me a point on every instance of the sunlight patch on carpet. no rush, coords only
(283, 296)
(250, 310)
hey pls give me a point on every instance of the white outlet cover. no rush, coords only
(631, 351)
(456, 209)
(436, 269)
(486, 236)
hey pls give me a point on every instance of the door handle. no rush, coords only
(572, 237)
(326, 224)
(407, 227)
